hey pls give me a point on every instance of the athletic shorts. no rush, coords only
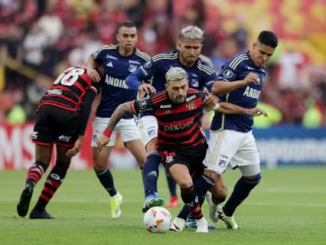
(192, 157)
(127, 128)
(148, 128)
(56, 125)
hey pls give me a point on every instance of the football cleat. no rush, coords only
(177, 224)
(152, 201)
(174, 203)
(115, 206)
(191, 223)
(202, 225)
(35, 214)
(229, 221)
(24, 201)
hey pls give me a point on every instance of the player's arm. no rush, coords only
(133, 107)
(85, 111)
(228, 80)
(228, 108)
(143, 73)
(95, 63)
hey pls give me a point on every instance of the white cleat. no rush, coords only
(202, 225)
(115, 206)
(229, 221)
(177, 224)
(212, 207)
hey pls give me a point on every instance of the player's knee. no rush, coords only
(184, 184)
(254, 179)
(43, 165)
(151, 146)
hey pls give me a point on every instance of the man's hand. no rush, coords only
(101, 141)
(74, 151)
(211, 100)
(251, 78)
(146, 88)
(256, 112)
(93, 75)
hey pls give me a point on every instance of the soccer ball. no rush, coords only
(157, 220)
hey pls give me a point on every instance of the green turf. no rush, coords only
(288, 207)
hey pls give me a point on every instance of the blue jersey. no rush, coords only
(236, 69)
(200, 75)
(116, 69)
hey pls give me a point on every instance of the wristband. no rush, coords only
(107, 133)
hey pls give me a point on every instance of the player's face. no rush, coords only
(261, 54)
(177, 90)
(189, 50)
(127, 38)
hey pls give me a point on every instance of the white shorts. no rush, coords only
(237, 148)
(127, 128)
(148, 128)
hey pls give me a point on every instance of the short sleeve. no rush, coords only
(228, 72)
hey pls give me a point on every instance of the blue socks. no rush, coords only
(151, 173)
(106, 180)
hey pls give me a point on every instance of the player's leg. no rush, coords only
(148, 129)
(52, 183)
(43, 138)
(174, 202)
(100, 161)
(190, 197)
(247, 159)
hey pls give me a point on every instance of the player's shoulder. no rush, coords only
(160, 97)
(240, 58)
(142, 55)
(193, 91)
(204, 67)
(206, 60)
(166, 56)
(108, 48)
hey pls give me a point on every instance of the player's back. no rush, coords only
(68, 89)
(199, 75)
(116, 69)
(237, 69)
(178, 123)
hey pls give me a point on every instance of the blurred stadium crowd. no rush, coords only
(41, 38)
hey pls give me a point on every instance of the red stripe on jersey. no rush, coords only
(159, 98)
(57, 104)
(40, 143)
(177, 123)
(81, 88)
(60, 87)
(160, 141)
(132, 107)
(86, 78)
(199, 142)
(192, 139)
(66, 145)
(189, 106)
(63, 97)
(175, 135)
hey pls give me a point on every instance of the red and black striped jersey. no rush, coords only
(69, 88)
(178, 123)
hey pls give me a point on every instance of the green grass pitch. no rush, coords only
(288, 207)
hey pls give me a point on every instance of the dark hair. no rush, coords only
(127, 23)
(268, 38)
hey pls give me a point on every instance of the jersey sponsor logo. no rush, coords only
(250, 68)
(178, 126)
(109, 64)
(165, 106)
(64, 138)
(227, 73)
(55, 91)
(115, 82)
(111, 57)
(132, 68)
(224, 156)
(252, 93)
(134, 62)
(191, 105)
(190, 98)
(148, 64)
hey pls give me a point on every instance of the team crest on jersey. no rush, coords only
(227, 73)
(148, 64)
(191, 105)
(194, 83)
(132, 68)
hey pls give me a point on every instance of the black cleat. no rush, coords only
(24, 201)
(40, 215)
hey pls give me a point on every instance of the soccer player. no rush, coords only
(200, 75)
(231, 139)
(61, 119)
(119, 61)
(181, 144)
